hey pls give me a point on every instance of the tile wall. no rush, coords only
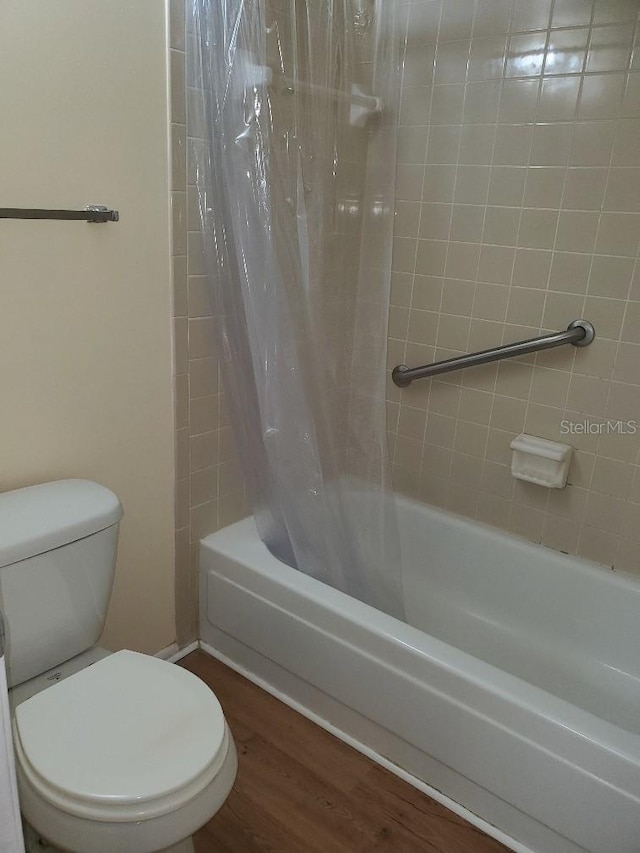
(518, 210)
(209, 489)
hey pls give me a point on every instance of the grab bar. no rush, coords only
(580, 333)
(91, 213)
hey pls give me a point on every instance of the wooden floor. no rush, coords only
(301, 790)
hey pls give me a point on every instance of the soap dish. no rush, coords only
(537, 460)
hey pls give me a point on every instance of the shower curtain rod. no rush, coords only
(580, 333)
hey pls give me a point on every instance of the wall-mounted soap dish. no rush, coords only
(540, 461)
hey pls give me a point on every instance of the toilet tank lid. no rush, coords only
(40, 518)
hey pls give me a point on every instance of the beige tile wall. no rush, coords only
(518, 211)
(210, 489)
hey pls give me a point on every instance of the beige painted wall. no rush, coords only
(85, 340)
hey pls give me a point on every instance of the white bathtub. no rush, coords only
(515, 690)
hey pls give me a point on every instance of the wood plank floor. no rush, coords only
(301, 790)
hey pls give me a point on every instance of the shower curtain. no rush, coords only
(295, 107)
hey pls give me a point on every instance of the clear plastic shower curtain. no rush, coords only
(296, 103)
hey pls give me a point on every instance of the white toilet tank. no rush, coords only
(58, 544)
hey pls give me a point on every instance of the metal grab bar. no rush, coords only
(91, 213)
(580, 333)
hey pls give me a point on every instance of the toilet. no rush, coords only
(115, 752)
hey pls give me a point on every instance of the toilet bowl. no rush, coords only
(115, 753)
(130, 755)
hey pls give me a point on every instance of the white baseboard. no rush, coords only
(168, 652)
(176, 654)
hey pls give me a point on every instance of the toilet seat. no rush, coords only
(129, 738)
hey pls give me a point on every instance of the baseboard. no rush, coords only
(168, 652)
(176, 654)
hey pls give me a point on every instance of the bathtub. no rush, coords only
(512, 694)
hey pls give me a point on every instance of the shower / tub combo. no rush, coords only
(500, 676)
